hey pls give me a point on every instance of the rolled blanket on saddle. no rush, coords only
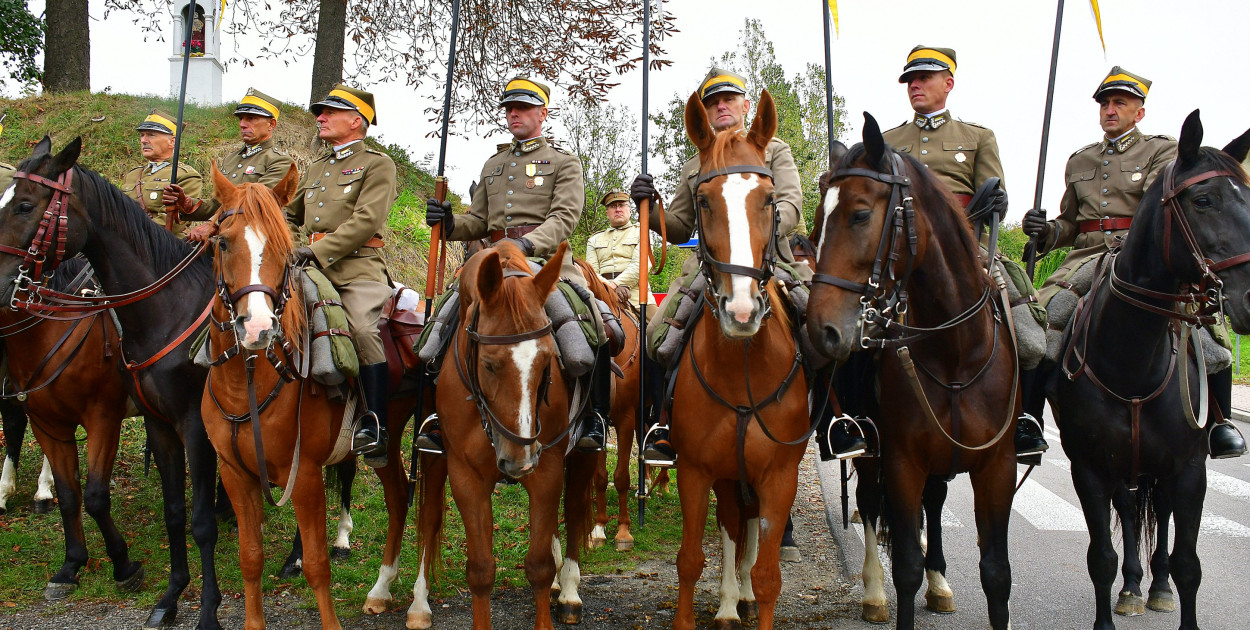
(1027, 316)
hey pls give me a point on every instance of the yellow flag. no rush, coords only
(833, 9)
(1093, 5)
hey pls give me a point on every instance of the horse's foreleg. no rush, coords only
(621, 479)
(104, 431)
(578, 516)
(598, 535)
(993, 487)
(14, 433)
(938, 597)
(1095, 495)
(472, 494)
(309, 498)
(692, 486)
(874, 607)
(44, 496)
(245, 497)
(905, 488)
(761, 568)
(1161, 598)
(342, 547)
(432, 502)
(202, 464)
(63, 453)
(395, 490)
(1187, 491)
(733, 540)
(1130, 601)
(170, 458)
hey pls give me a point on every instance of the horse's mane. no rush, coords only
(722, 146)
(511, 299)
(1225, 162)
(597, 286)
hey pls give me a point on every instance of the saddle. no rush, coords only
(401, 325)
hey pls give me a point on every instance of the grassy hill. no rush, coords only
(106, 123)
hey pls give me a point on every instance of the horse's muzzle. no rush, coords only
(517, 469)
(740, 318)
(256, 333)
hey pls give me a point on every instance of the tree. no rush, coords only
(800, 102)
(328, 57)
(67, 48)
(605, 138)
(21, 40)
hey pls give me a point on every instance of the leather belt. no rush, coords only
(964, 200)
(511, 232)
(374, 242)
(611, 275)
(1105, 225)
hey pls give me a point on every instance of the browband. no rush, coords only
(730, 170)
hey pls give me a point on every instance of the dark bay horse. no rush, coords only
(1180, 267)
(504, 406)
(739, 409)
(899, 271)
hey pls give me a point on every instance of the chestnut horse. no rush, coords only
(505, 413)
(739, 406)
(899, 271)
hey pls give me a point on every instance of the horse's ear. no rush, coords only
(1240, 147)
(698, 127)
(489, 277)
(764, 127)
(545, 279)
(223, 190)
(1191, 140)
(44, 147)
(874, 142)
(285, 190)
(68, 157)
(837, 151)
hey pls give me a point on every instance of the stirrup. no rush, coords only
(367, 444)
(656, 459)
(424, 443)
(1230, 455)
(859, 428)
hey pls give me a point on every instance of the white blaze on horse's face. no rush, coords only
(523, 355)
(258, 318)
(831, 204)
(735, 190)
(8, 195)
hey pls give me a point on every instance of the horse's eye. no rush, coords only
(489, 365)
(860, 216)
(221, 243)
(25, 207)
(703, 204)
(1202, 201)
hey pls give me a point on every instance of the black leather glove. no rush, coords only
(304, 256)
(436, 212)
(643, 188)
(997, 202)
(1035, 224)
(525, 244)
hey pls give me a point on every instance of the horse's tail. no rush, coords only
(432, 500)
(1147, 519)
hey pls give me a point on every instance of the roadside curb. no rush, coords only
(829, 476)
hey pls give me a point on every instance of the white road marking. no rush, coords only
(1216, 525)
(1046, 510)
(1226, 484)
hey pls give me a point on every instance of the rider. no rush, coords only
(962, 155)
(257, 161)
(146, 183)
(533, 196)
(613, 253)
(342, 203)
(724, 96)
(1105, 183)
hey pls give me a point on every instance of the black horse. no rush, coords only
(1187, 244)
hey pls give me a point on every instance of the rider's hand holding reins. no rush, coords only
(436, 211)
(1035, 224)
(642, 189)
(997, 202)
(622, 292)
(202, 232)
(304, 256)
(173, 195)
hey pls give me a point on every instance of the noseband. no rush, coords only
(707, 262)
(53, 229)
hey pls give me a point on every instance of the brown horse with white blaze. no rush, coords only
(739, 410)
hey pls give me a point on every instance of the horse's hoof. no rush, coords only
(133, 583)
(1161, 601)
(856, 518)
(1130, 604)
(595, 542)
(58, 590)
(375, 606)
(727, 624)
(418, 621)
(43, 506)
(569, 613)
(875, 613)
(340, 553)
(290, 571)
(790, 554)
(944, 604)
(624, 544)
(748, 610)
(161, 617)
(213, 624)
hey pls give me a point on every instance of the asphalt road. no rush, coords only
(1051, 589)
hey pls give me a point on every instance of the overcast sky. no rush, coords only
(1191, 50)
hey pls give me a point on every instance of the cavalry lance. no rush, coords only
(171, 214)
(644, 270)
(1030, 250)
(434, 272)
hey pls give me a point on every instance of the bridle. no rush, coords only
(53, 229)
(883, 297)
(708, 263)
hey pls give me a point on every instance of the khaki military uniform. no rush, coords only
(6, 176)
(787, 190)
(613, 254)
(343, 202)
(262, 163)
(145, 183)
(961, 154)
(1105, 180)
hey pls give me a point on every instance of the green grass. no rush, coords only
(1241, 370)
(33, 543)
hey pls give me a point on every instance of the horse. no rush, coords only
(739, 403)
(899, 270)
(14, 433)
(1181, 266)
(505, 412)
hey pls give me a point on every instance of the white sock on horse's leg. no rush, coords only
(46, 484)
(729, 593)
(419, 614)
(749, 555)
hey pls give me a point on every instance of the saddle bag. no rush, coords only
(1062, 305)
(432, 345)
(406, 322)
(1027, 313)
(666, 333)
(332, 356)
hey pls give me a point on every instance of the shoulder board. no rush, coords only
(905, 123)
(1085, 148)
(503, 146)
(558, 148)
(279, 151)
(1158, 137)
(376, 152)
(972, 124)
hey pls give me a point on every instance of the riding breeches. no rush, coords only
(363, 301)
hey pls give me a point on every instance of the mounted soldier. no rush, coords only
(1105, 182)
(613, 253)
(257, 161)
(532, 195)
(146, 183)
(724, 96)
(342, 203)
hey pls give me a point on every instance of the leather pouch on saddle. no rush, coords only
(404, 318)
(666, 332)
(1027, 313)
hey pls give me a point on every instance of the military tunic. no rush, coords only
(961, 154)
(262, 163)
(145, 183)
(613, 253)
(6, 176)
(1104, 180)
(343, 201)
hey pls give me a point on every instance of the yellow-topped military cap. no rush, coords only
(525, 90)
(718, 80)
(928, 59)
(258, 103)
(614, 196)
(1125, 81)
(158, 120)
(349, 98)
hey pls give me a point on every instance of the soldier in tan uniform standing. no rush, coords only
(613, 253)
(146, 183)
(1105, 183)
(532, 193)
(256, 161)
(342, 205)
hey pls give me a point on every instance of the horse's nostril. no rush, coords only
(832, 338)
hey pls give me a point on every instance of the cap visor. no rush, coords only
(528, 99)
(147, 126)
(923, 66)
(1127, 88)
(251, 109)
(316, 108)
(724, 87)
